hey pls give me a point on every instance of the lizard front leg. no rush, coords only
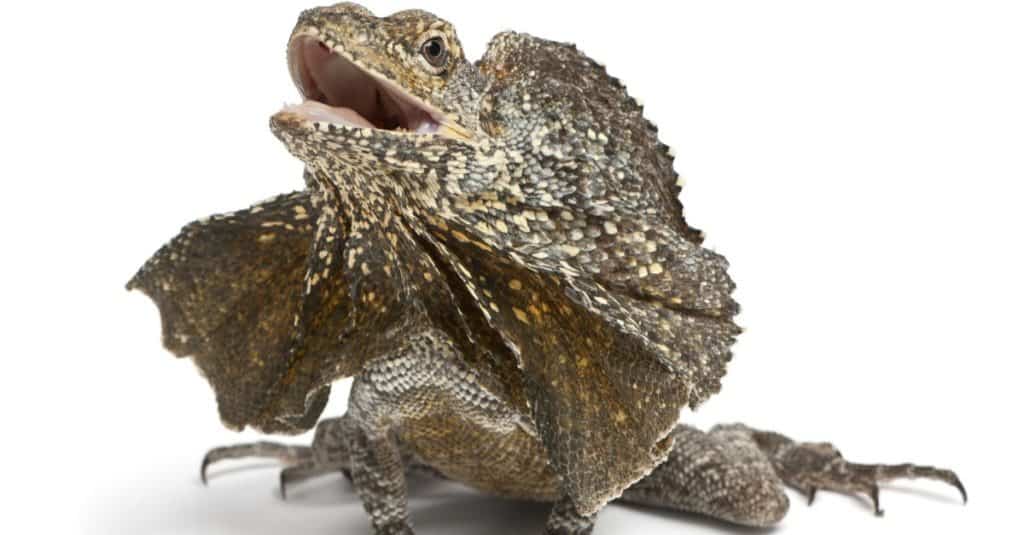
(362, 443)
(379, 479)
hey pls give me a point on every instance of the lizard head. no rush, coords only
(397, 79)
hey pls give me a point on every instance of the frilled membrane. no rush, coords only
(619, 316)
(547, 241)
(601, 405)
(562, 225)
(227, 288)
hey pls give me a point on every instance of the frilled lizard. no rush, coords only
(496, 252)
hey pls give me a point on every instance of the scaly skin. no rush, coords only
(496, 252)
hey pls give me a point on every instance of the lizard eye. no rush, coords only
(435, 51)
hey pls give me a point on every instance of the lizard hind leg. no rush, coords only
(722, 474)
(737, 474)
(812, 466)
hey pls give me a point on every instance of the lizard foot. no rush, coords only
(399, 528)
(299, 462)
(328, 454)
(565, 520)
(292, 456)
(813, 466)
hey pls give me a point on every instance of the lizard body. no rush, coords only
(496, 252)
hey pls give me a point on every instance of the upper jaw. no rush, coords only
(343, 92)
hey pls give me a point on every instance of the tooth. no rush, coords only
(426, 127)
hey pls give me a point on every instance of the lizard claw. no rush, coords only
(290, 455)
(959, 486)
(301, 472)
(875, 500)
(202, 469)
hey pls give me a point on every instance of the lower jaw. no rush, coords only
(315, 111)
(312, 110)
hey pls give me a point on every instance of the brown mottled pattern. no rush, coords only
(224, 287)
(623, 319)
(521, 303)
(497, 461)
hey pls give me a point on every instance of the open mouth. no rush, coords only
(340, 92)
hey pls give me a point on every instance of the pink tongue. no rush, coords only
(317, 111)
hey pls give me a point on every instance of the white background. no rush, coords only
(860, 163)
